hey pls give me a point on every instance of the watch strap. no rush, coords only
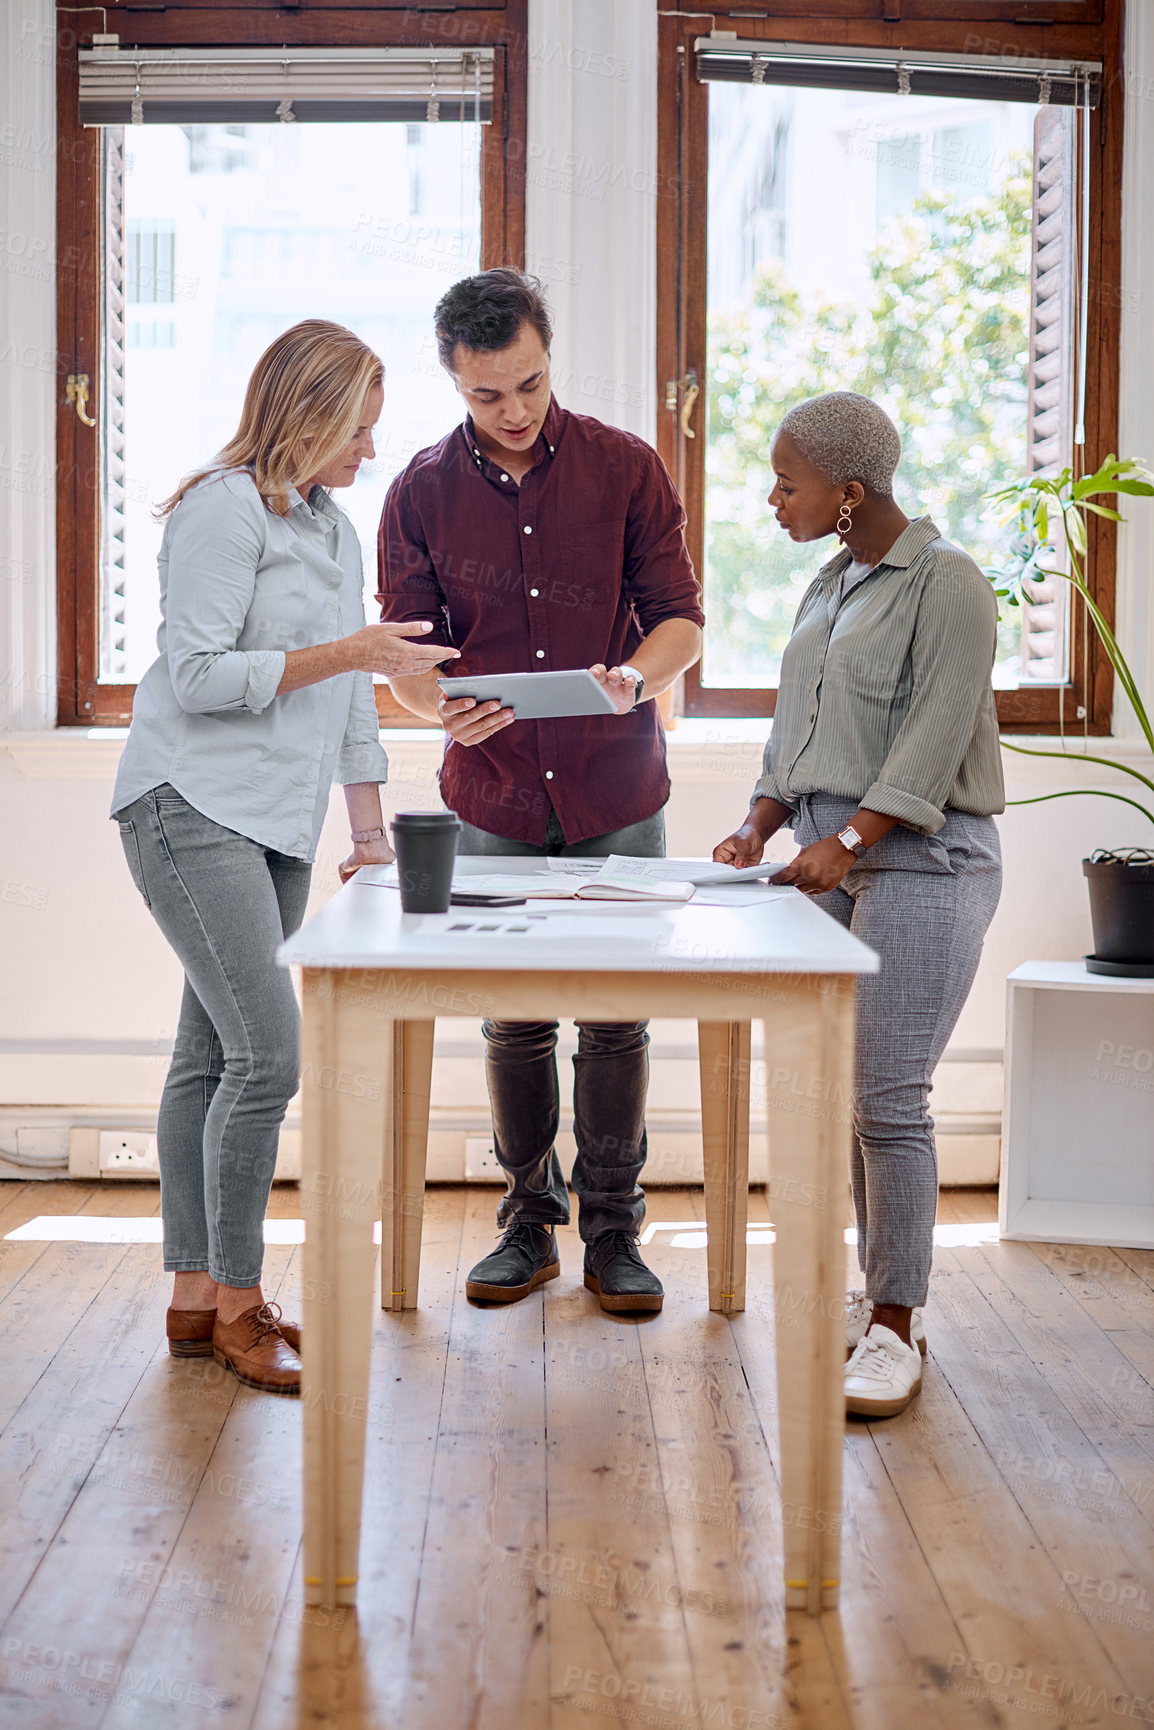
(360, 836)
(640, 684)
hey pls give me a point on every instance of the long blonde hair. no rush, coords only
(302, 407)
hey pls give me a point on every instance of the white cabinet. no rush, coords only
(1078, 1121)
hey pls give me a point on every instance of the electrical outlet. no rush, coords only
(127, 1150)
(481, 1163)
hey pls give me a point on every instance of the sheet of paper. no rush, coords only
(699, 871)
(378, 876)
(577, 867)
(740, 894)
(551, 884)
(506, 926)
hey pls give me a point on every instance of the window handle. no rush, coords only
(690, 391)
(77, 394)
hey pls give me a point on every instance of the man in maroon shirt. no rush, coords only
(536, 540)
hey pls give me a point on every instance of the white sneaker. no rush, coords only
(858, 1310)
(883, 1375)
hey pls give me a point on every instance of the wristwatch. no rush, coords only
(360, 836)
(851, 840)
(639, 686)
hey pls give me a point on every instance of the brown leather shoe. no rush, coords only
(190, 1332)
(256, 1351)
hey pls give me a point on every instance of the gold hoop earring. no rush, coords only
(843, 528)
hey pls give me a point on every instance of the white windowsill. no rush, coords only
(92, 753)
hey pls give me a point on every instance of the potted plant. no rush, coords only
(1048, 511)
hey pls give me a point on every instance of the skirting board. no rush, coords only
(965, 1161)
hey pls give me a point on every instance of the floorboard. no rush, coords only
(571, 1519)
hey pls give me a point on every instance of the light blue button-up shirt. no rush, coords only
(238, 587)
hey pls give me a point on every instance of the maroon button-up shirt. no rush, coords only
(574, 566)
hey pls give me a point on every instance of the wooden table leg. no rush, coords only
(345, 1105)
(723, 1055)
(809, 1080)
(410, 1068)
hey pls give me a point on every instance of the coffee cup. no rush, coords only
(425, 843)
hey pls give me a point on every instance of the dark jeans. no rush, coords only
(610, 1080)
(225, 904)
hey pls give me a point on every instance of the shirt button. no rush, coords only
(548, 774)
(540, 654)
(534, 592)
(504, 477)
(528, 530)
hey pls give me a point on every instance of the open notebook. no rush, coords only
(617, 878)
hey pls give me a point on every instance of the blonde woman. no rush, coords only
(260, 698)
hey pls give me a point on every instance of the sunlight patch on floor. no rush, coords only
(690, 1234)
(107, 1228)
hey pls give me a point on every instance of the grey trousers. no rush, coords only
(924, 903)
(225, 904)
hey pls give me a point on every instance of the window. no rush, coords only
(911, 231)
(219, 224)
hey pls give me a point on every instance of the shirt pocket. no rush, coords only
(593, 555)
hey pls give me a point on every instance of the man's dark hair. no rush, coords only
(487, 311)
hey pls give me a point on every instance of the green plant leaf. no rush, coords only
(1080, 757)
(1084, 793)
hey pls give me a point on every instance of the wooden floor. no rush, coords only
(571, 1520)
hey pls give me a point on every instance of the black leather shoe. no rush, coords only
(524, 1259)
(615, 1271)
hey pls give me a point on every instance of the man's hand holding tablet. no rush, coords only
(471, 709)
(623, 685)
(470, 722)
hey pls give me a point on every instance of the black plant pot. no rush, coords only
(1122, 911)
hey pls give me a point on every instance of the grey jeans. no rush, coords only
(924, 903)
(224, 903)
(610, 1079)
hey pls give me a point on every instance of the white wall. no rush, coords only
(88, 990)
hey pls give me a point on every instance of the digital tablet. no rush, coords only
(536, 696)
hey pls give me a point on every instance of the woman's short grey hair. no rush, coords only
(847, 437)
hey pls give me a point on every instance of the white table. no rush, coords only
(1078, 1117)
(374, 981)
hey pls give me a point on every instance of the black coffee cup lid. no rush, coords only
(427, 820)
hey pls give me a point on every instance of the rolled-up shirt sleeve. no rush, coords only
(951, 656)
(659, 575)
(215, 542)
(362, 757)
(407, 584)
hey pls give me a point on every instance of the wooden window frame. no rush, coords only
(682, 145)
(83, 701)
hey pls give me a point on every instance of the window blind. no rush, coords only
(193, 86)
(890, 72)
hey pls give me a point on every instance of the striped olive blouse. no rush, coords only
(885, 696)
